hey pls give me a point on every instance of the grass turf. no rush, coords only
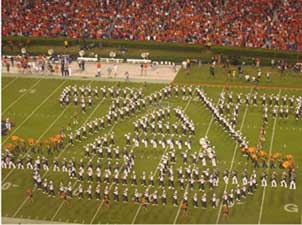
(48, 118)
(201, 74)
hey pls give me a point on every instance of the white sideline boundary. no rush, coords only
(11, 220)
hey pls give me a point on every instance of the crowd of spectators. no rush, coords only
(274, 24)
(72, 18)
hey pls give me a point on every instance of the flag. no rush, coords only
(58, 136)
(262, 153)
(30, 141)
(289, 157)
(276, 155)
(286, 164)
(14, 138)
(252, 149)
(9, 146)
(53, 140)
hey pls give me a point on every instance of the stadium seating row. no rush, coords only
(274, 24)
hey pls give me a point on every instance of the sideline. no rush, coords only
(11, 220)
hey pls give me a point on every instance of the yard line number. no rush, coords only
(31, 91)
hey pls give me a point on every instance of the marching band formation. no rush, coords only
(108, 166)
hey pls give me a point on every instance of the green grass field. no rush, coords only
(201, 75)
(32, 105)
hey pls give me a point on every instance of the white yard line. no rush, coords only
(187, 187)
(14, 102)
(140, 206)
(24, 202)
(267, 170)
(12, 81)
(33, 112)
(98, 105)
(233, 159)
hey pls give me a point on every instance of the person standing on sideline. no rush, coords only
(146, 67)
(115, 69)
(69, 70)
(226, 211)
(62, 68)
(212, 71)
(66, 44)
(142, 69)
(98, 69)
(29, 193)
(127, 75)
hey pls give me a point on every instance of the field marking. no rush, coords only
(33, 112)
(41, 136)
(267, 170)
(206, 134)
(61, 205)
(140, 206)
(22, 220)
(233, 158)
(26, 199)
(9, 83)
(14, 102)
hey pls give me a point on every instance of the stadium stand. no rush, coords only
(273, 24)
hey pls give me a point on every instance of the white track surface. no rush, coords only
(9, 220)
(164, 73)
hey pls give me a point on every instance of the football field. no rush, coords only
(32, 105)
